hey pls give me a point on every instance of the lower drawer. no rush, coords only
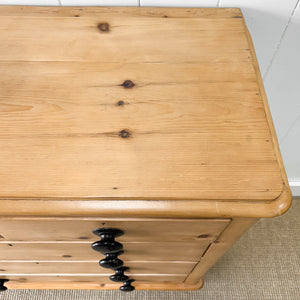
(81, 282)
(142, 282)
(161, 251)
(21, 268)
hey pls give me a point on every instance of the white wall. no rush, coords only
(275, 29)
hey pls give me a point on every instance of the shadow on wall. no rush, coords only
(266, 30)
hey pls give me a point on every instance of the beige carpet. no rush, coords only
(264, 264)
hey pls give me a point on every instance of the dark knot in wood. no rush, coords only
(103, 27)
(124, 134)
(128, 84)
(203, 236)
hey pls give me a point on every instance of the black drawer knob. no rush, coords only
(107, 244)
(119, 275)
(127, 287)
(2, 287)
(111, 261)
(103, 232)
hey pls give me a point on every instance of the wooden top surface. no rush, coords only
(132, 103)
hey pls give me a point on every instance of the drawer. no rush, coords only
(101, 280)
(143, 230)
(91, 268)
(72, 251)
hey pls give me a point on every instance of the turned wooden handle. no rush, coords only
(112, 249)
(111, 261)
(2, 287)
(127, 287)
(107, 244)
(119, 276)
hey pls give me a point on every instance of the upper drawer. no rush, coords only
(82, 251)
(134, 229)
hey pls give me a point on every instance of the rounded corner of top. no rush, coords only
(282, 203)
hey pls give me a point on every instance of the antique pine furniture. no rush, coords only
(144, 132)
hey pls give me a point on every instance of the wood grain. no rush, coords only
(152, 12)
(98, 283)
(17, 268)
(191, 126)
(135, 230)
(82, 251)
(227, 238)
(98, 280)
(144, 119)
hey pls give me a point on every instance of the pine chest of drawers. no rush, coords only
(142, 132)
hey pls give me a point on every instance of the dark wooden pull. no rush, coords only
(127, 287)
(119, 276)
(111, 261)
(112, 249)
(107, 244)
(2, 287)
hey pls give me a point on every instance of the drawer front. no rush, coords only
(135, 230)
(164, 251)
(155, 250)
(100, 280)
(92, 268)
